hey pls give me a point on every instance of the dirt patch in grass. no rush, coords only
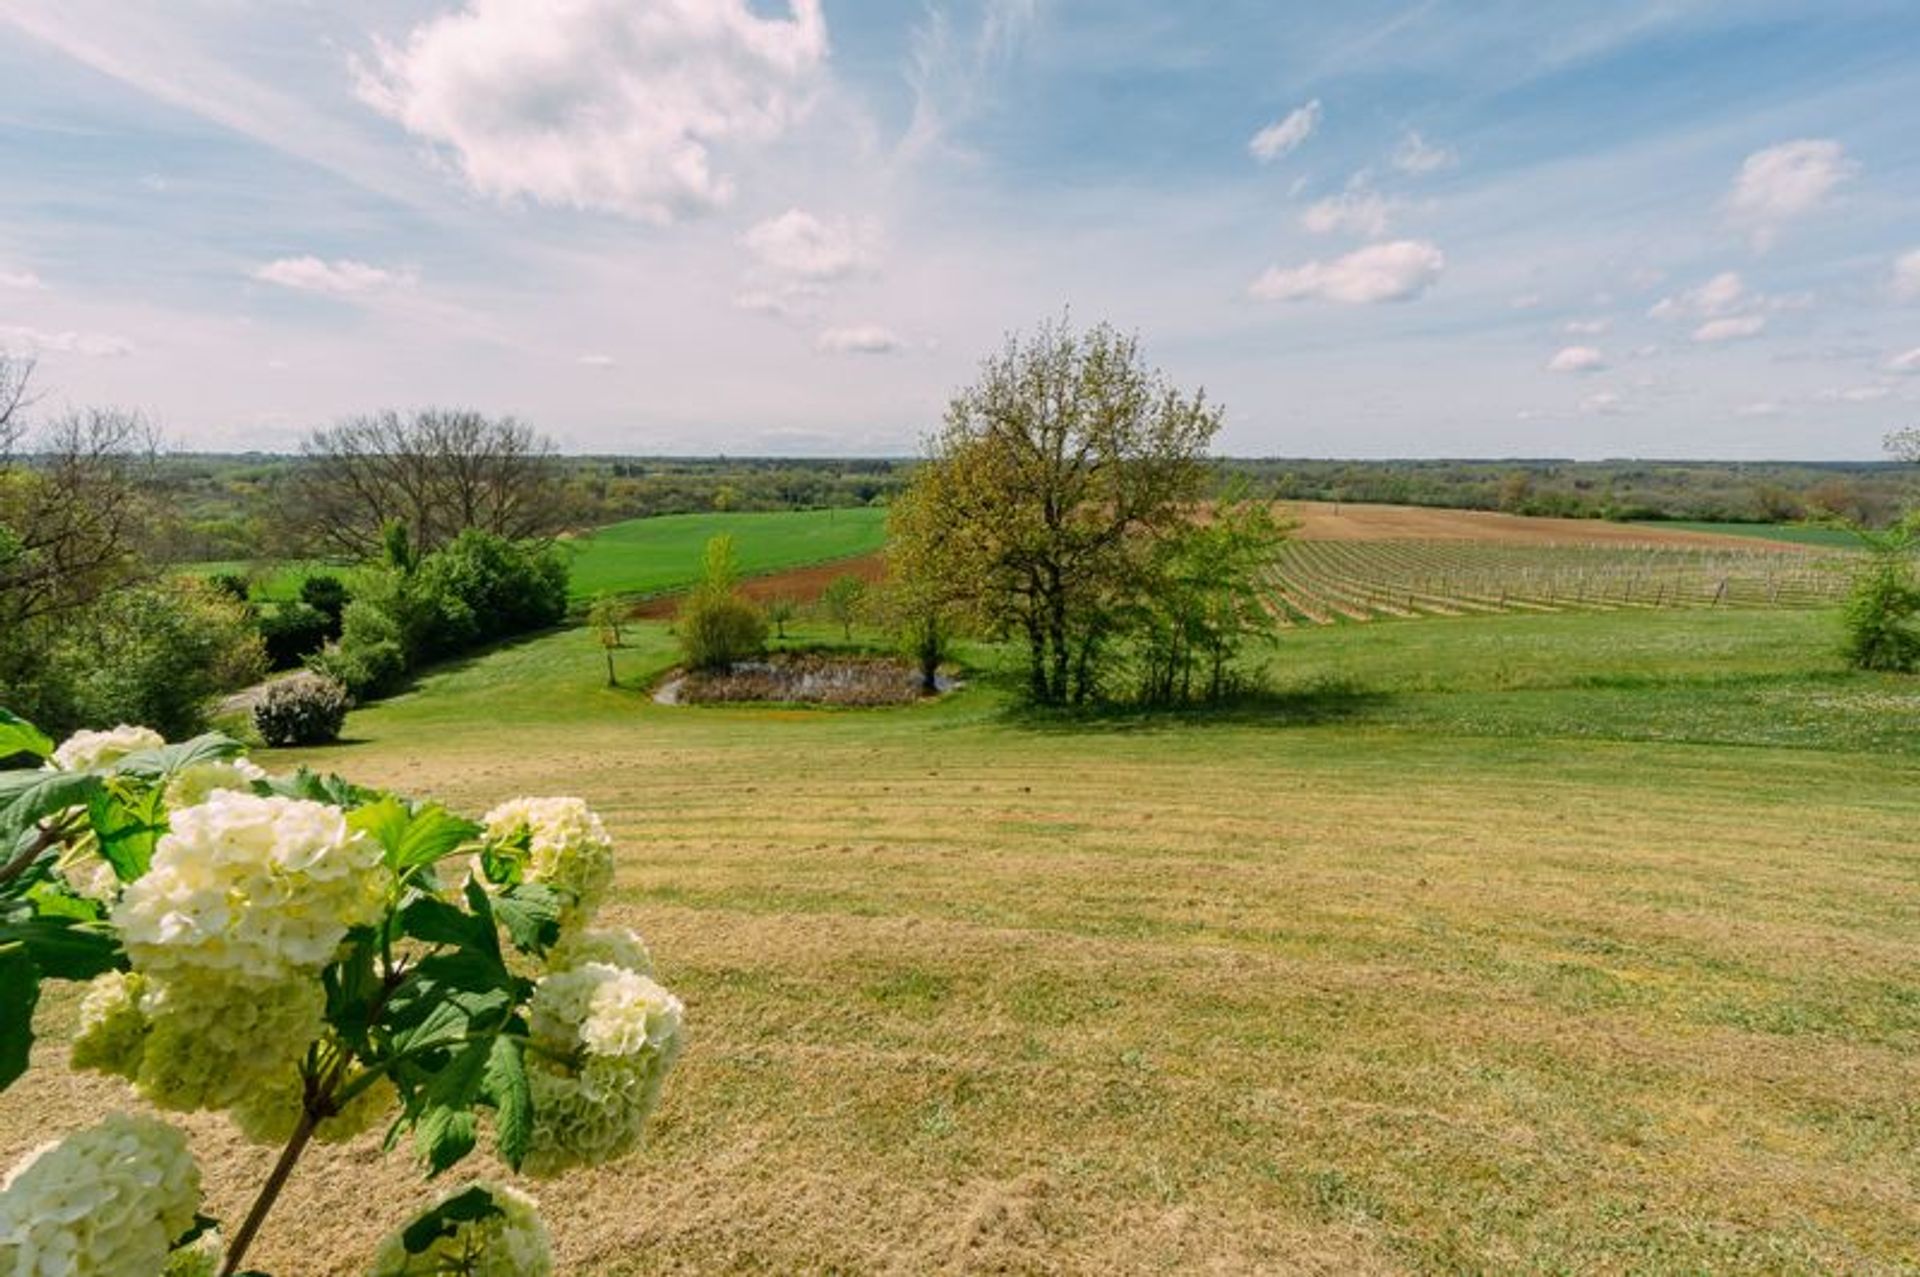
(1326, 521)
(802, 585)
(801, 678)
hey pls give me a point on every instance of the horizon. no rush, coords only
(1404, 231)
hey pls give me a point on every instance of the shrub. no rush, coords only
(307, 709)
(294, 631)
(716, 630)
(484, 587)
(1883, 617)
(369, 657)
(315, 960)
(327, 595)
(231, 584)
(158, 654)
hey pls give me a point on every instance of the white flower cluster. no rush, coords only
(83, 750)
(567, 848)
(197, 782)
(602, 1040)
(106, 1201)
(615, 946)
(513, 1243)
(246, 900)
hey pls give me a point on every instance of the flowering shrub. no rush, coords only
(315, 960)
(306, 709)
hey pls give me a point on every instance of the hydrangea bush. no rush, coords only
(316, 960)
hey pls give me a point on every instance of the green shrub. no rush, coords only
(326, 595)
(159, 654)
(306, 709)
(370, 656)
(231, 584)
(1883, 617)
(294, 631)
(717, 630)
(484, 587)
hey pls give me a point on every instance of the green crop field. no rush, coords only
(1576, 942)
(1796, 533)
(652, 556)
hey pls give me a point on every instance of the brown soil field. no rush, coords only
(1325, 521)
(802, 585)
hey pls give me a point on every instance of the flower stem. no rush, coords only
(270, 1192)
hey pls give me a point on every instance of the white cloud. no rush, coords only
(1577, 359)
(1394, 272)
(1785, 182)
(799, 244)
(1734, 328)
(24, 280)
(36, 341)
(1527, 301)
(1416, 155)
(1906, 276)
(600, 104)
(340, 278)
(1605, 404)
(1908, 363)
(1358, 211)
(596, 361)
(862, 339)
(1724, 294)
(1587, 327)
(1284, 135)
(1764, 408)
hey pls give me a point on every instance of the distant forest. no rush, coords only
(224, 507)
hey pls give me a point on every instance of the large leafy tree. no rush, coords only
(1045, 491)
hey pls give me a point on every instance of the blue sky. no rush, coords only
(1371, 229)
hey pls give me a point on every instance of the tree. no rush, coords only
(604, 619)
(841, 601)
(438, 472)
(779, 611)
(716, 626)
(1882, 617)
(1044, 494)
(1206, 601)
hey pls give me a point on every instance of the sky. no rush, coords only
(1471, 228)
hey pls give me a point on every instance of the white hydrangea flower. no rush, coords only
(96, 749)
(603, 1039)
(615, 946)
(212, 1044)
(251, 888)
(194, 784)
(85, 871)
(567, 848)
(269, 1113)
(513, 1243)
(108, 1200)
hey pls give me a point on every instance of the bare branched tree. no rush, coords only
(439, 472)
(73, 511)
(16, 376)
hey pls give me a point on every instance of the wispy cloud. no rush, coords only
(862, 339)
(1577, 359)
(1285, 135)
(37, 341)
(342, 278)
(1417, 156)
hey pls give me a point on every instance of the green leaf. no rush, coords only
(169, 760)
(28, 797)
(127, 827)
(444, 1220)
(512, 1099)
(18, 736)
(331, 790)
(416, 838)
(19, 992)
(446, 1129)
(63, 949)
(530, 912)
(434, 921)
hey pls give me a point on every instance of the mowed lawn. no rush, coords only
(1568, 944)
(649, 556)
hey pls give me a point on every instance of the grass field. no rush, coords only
(1569, 943)
(653, 556)
(1795, 533)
